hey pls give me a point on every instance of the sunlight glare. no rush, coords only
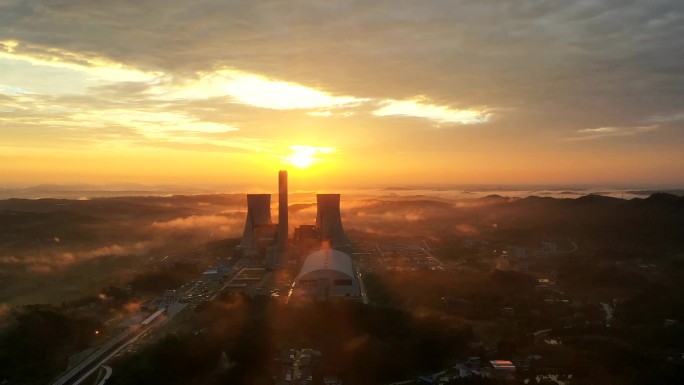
(305, 156)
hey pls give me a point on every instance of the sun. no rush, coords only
(301, 159)
(305, 156)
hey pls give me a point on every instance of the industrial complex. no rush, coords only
(319, 251)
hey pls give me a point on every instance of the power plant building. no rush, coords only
(264, 239)
(329, 220)
(325, 274)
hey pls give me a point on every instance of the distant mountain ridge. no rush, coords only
(656, 219)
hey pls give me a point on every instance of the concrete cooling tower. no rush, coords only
(329, 220)
(258, 214)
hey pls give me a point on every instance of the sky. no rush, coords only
(347, 92)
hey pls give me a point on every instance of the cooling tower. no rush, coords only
(258, 214)
(329, 221)
(282, 210)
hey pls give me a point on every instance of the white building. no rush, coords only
(327, 273)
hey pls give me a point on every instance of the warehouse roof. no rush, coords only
(327, 259)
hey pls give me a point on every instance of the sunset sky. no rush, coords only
(363, 92)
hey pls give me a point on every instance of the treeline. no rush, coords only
(175, 359)
(621, 355)
(235, 340)
(37, 342)
(655, 223)
(166, 277)
(473, 295)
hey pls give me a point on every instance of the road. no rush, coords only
(84, 369)
(108, 373)
(87, 367)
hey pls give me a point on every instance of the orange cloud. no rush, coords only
(225, 225)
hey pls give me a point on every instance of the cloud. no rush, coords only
(324, 114)
(97, 66)
(83, 121)
(466, 229)
(673, 117)
(396, 217)
(10, 260)
(138, 248)
(225, 225)
(602, 132)
(45, 262)
(131, 307)
(40, 269)
(271, 70)
(479, 52)
(440, 114)
(260, 91)
(25, 60)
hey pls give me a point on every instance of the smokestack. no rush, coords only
(258, 214)
(282, 210)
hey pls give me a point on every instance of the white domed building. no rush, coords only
(327, 273)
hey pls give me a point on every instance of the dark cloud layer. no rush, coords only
(618, 62)
(571, 88)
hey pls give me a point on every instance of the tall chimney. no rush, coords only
(282, 210)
